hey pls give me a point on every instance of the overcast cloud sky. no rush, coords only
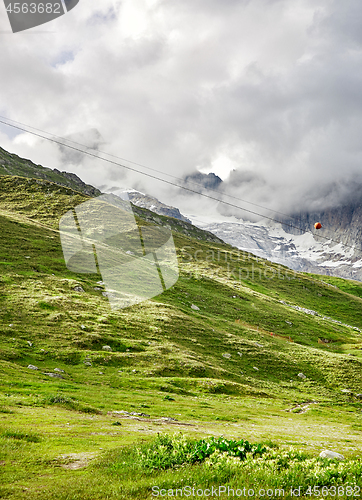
(269, 88)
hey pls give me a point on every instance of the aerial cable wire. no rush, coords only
(88, 153)
(143, 166)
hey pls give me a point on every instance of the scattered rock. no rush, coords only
(30, 344)
(32, 367)
(100, 283)
(226, 355)
(346, 391)
(359, 396)
(83, 327)
(130, 414)
(105, 294)
(195, 308)
(301, 375)
(240, 353)
(134, 371)
(78, 289)
(58, 370)
(11, 325)
(255, 368)
(101, 373)
(331, 454)
(53, 375)
(289, 323)
(87, 363)
(258, 345)
(107, 348)
(98, 289)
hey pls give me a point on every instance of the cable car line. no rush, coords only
(88, 153)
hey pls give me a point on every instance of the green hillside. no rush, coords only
(269, 355)
(12, 164)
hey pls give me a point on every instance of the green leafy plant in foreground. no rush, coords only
(169, 451)
(177, 461)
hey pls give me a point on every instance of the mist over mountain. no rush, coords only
(335, 249)
(291, 240)
(151, 203)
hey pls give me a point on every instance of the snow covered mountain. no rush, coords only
(323, 253)
(335, 250)
(151, 203)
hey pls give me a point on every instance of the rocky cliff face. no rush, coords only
(342, 224)
(335, 250)
(208, 181)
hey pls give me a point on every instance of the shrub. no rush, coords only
(166, 452)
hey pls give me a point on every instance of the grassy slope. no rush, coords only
(167, 360)
(12, 164)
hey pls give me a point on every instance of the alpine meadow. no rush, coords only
(234, 379)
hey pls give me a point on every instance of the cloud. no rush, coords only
(273, 88)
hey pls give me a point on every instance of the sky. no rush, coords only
(267, 94)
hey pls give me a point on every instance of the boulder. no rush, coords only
(53, 375)
(301, 375)
(107, 348)
(32, 367)
(195, 308)
(331, 454)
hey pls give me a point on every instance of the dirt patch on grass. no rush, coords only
(77, 460)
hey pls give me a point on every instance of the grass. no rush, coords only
(228, 369)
